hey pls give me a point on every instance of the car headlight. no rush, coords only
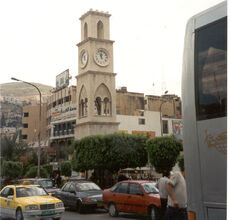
(59, 205)
(90, 200)
(31, 207)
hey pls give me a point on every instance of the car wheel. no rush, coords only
(80, 207)
(19, 215)
(56, 218)
(153, 215)
(113, 210)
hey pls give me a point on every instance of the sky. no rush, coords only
(38, 40)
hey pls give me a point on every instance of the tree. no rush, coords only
(66, 168)
(32, 173)
(109, 153)
(11, 150)
(163, 152)
(49, 169)
(12, 169)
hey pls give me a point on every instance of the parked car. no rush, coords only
(134, 196)
(29, 202)
(46, 183)
(80, 194)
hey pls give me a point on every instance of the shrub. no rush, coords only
(32, 173)
(66, 168)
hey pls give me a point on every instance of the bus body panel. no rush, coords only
(204, 141)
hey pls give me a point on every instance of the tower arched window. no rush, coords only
(83, 103)
(85, 31)
(100, 30)
(98, 106)
(106, 106)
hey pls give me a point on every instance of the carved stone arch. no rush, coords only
(100, 30)
(83, 102)
(103, 101)
(85, 31)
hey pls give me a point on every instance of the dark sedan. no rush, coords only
(80, 195)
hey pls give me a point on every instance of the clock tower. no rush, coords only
(96, 92)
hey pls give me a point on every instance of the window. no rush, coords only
(71, 188)
(100, 30)
(24, 136)
(211, 70)
(66, 187)
(135, 189)
(122, 188)
(25, 125)
(165, 126)
(141, 121)
(5, 192)
(26, 114)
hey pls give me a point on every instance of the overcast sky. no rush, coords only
(38, 40)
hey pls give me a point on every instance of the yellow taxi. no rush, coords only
(25, 201)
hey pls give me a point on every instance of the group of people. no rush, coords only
(173, 195)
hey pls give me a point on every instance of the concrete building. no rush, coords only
(30, 125)
(61, 119)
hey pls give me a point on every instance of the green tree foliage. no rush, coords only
(11, 150)
(66, 168)
(32, 172)
(48, 168)
(110, 152)
(12, 169)
(163, 152)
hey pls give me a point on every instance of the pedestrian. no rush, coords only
(58, 179)
(177, 197)
(162, 186)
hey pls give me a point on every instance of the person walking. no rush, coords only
(177, 197)
(162, 186)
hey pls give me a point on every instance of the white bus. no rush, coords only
(204, 104)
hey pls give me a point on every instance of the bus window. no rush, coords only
(211, 70)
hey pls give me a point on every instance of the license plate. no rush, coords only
(48, 212)
(100, 204)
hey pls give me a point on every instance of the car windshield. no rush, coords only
(30, 191)
(87, 186)
(150, 188)
(45, 183)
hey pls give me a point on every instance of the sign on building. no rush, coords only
(62, 80)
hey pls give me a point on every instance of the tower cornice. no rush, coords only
(95, 72)
(91, 12)
(95, 39)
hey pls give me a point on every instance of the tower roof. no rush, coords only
(92, 12)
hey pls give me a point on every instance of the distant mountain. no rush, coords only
(20, 90)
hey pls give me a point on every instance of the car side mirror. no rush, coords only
(73, 192)
(10, 197)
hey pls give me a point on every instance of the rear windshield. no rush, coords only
(87, 186)
(150, 188)
(45, 183)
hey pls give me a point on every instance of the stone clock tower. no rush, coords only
(96, 93)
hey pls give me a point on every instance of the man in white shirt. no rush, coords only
(162, 186)
(177, 199)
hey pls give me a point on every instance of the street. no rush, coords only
(98, 214)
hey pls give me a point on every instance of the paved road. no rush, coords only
(98, 215)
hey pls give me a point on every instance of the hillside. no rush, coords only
(20, 89)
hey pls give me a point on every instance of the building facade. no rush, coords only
(30, 125)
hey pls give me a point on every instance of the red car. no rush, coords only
(135, 196)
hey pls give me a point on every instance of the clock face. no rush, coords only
(84, 58)
(101, 57)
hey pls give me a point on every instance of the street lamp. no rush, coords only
(161, 113)
(39, 131)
